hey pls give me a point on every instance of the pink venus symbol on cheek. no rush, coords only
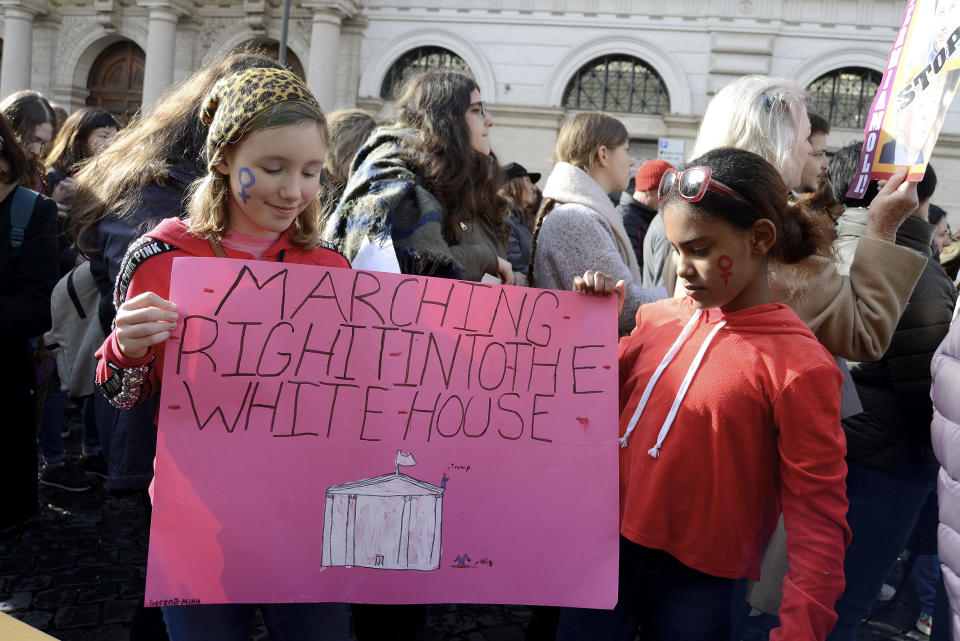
(725, 263)
(246, 179)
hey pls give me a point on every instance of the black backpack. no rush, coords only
(21, 209)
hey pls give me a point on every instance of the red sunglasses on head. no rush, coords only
(693, 184)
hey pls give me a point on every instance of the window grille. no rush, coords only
(617, 83)
(417, 61)
(844, 96)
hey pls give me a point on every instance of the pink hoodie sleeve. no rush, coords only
(125, 381)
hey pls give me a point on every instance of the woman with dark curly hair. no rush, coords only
(428, 186)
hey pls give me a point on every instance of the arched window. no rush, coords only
(844, 96)
(417, 61)
(617, 83)
(115, 82)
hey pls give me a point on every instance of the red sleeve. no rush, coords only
(812, 447)
(129, 381)
(628, 350)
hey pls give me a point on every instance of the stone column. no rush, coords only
(161, 47)
(15, 72)
(349, 61)
(324, 46)
(322, 68)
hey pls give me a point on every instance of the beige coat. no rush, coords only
(852, 316)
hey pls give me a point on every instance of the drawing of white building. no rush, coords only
(390, 522)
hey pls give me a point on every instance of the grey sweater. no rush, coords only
(576, 237)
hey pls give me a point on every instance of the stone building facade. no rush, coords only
(668, 56)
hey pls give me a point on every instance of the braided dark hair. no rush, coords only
(549, 204)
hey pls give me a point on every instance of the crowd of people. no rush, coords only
(787, 353)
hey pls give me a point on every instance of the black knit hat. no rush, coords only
(516, 170)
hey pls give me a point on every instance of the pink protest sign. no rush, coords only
(338, 435)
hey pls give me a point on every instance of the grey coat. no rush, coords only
(580, 234)
(656, 251)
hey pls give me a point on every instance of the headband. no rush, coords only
(236, 99)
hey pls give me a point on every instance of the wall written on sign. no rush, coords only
(433, 358)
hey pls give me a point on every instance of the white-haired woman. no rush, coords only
(853, 315)
(762, 114)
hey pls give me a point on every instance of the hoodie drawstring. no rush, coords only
(687, 379)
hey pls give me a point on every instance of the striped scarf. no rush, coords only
(383, 196)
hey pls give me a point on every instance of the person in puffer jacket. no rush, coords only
(945, 435)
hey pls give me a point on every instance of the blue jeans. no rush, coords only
(129, 440)
(234, 622)
(926, 573)
(665, 599)
(883, 510)
(941, 614)
(51, 423)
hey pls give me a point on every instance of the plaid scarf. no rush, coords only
(384, 197)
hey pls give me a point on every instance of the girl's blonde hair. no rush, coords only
(207, 207)
(762, 114)
(578, 142)
(113, 183)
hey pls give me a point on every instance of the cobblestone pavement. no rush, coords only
(78, 573)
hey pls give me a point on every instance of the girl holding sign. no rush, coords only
(258, 200)
(730, 411)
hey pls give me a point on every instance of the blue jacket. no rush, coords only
(129, 436)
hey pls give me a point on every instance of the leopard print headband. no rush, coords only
(236, 99)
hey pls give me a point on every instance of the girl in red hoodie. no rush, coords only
(264, 152)
(729, 416)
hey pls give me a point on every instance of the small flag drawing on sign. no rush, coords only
(404, 459)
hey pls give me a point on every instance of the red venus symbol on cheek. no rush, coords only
(725, 263)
